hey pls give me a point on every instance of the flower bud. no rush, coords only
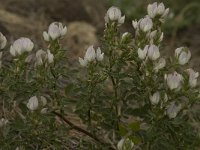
(3, 41)
(50, 57)
(33, 103)
(43, 100)
(155, 98)
(174, 80)
(135, 24)
(20, 46)
(153, 52)
(192, 77)
(46, 36)
(83, 62)
(99, 55)
(172, 110)
(183, 55)
(143, 53)
(161, 9)
(125, 144)
(40, 57)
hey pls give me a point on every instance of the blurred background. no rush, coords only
(85, 22)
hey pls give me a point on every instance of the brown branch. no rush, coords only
(78, 128)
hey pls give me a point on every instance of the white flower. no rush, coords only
(56, 30)
(161, 9)
(43, 57)
(155, 98)
(160, 64)
(135, 24)
(145, 24)
(125, 144)
(192, 77)
(157, 9)
(3, 41)
(40, 57)
(183, 55)
(142, 53)
(153, 34)
(99, 55)
(20, 46)
(172, 110)
(33, 103)
(43, 100)
(90, 54)
(46, 36)
(174, 80)
(124, 35)
(83, 62)
(50, 57)
(153, 52)
(3, 122)
(114, 14)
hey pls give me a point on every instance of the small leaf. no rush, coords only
(122, 130)
(135, 126)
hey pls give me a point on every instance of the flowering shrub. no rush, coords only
(126, 93)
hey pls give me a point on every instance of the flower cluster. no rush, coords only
(43, 57)
(91, 56)
(33, 103)
(21, 46)
(114, 14)
(159, 10)
(56, 30)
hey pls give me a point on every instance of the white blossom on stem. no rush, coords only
(99, 54)
(156, 9)
(174, 80)
(172, 110)
(192, 77)
(50, 57)
(160, 64)
(114, 14)
(135, 24)
(153, 52)
(3, 41)
(125, 144)
(143, 53)
(20, 46)
(56, 30)
(145, 24)
(33, 103)
(183, 55)
(91, 55)
(155, 98)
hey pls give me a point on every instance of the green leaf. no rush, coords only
(122, 130)
(135, 126)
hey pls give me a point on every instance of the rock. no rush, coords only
(79, 37)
